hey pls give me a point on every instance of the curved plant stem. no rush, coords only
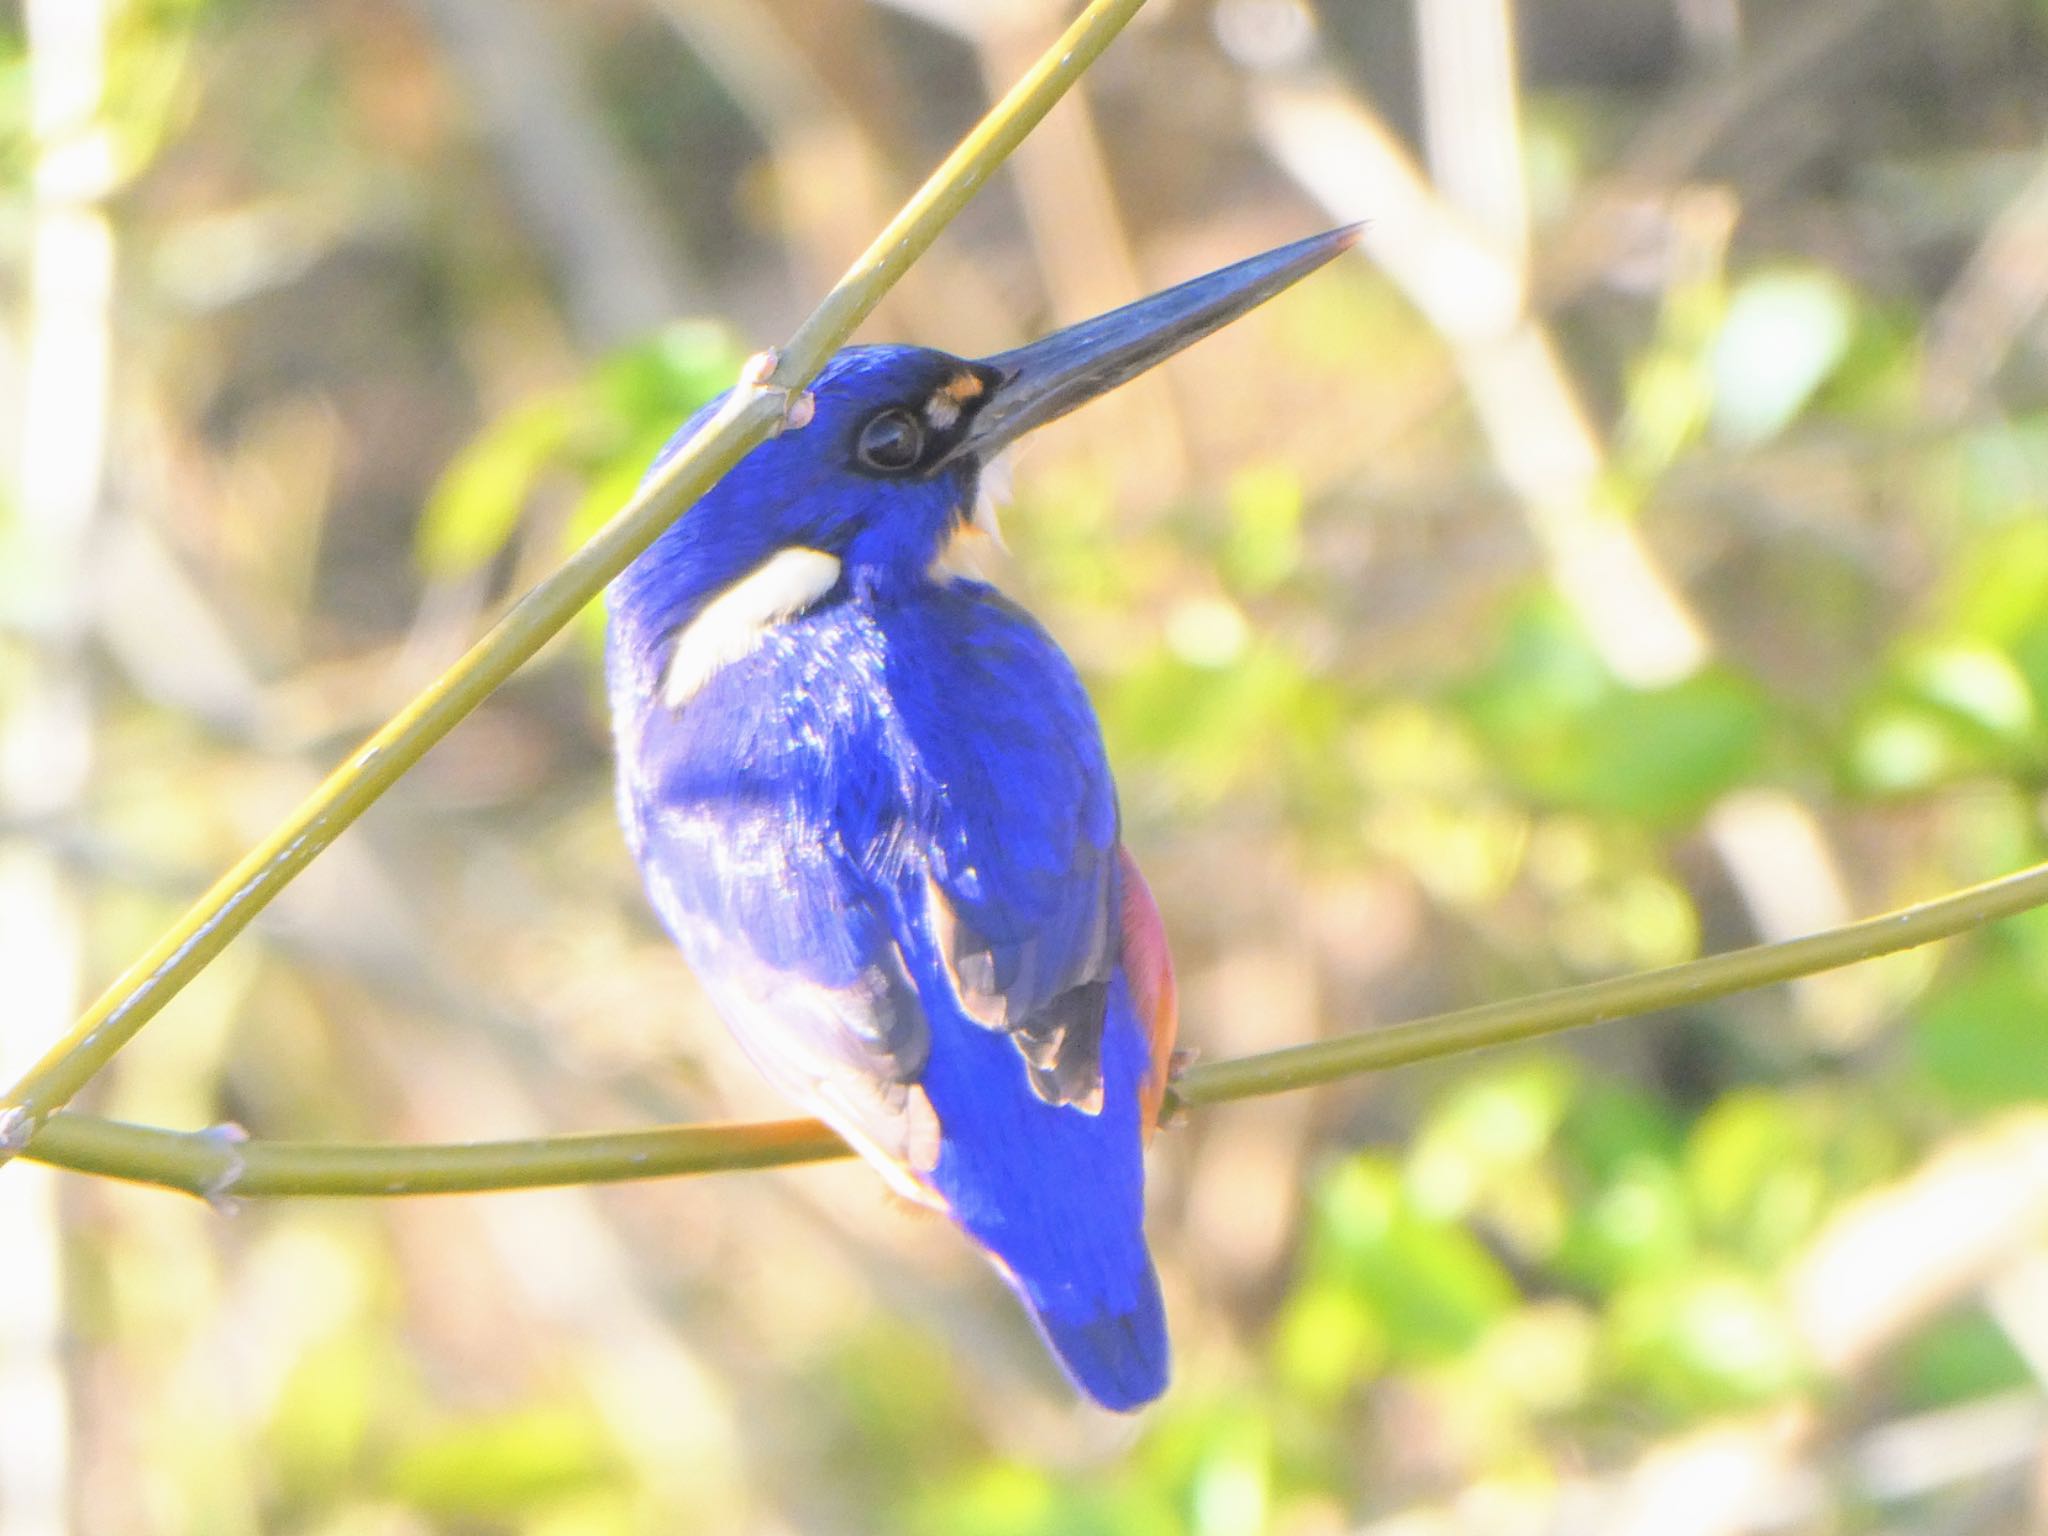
(1672, 986)
(218, 1164)
(752, 412)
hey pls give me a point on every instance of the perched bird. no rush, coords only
(871, 805)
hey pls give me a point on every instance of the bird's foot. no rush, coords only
(798, 407)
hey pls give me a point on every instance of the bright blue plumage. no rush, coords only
(904, 760)
(870, 802)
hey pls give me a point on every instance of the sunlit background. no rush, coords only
(1638, 550)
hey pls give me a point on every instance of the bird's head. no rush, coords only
(887, 469)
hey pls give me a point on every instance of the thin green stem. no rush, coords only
(753, 411)
(217, 1166)
(1672, 986)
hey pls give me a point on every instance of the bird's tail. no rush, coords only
(1115, 1350)
(1055, 1194)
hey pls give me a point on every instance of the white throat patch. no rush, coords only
(736, 620)
(962, 554)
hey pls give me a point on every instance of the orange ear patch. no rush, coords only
(1148, 969)
(963, 387)
(950, 399)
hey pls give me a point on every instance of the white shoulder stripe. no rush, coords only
(733, 622)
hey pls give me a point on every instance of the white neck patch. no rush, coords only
(736, 621)
(962, 554)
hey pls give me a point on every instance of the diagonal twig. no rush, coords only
(752, 412)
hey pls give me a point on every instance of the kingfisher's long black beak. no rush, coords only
(1050, 377)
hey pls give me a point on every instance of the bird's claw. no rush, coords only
(798, 406)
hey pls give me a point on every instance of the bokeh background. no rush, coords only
(1638, 550)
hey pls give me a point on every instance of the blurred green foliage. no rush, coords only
(600, 433)
(1374, 758)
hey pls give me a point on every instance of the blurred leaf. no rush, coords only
(1765, 1169)
(1784, 333)
(1257, 718)
(1629, 1214)
(1613, 1125)
(475, 509)
(1554, 134)
(1264, 544)
(1432, 1286)
(1996, 585)
(1999, 472)
(1007, 1498)
(1946, 706)
(1231, 1494)
(1637, 1223)
(499, 1466)
(1896, 748)
(659, 382)
(14, 109)
(868, 1380)
(1327, 1341)
(1980, 1037)
(1977, 684)
(604, 431)
(1959, 1357)
(1750, 1165)
(1572, 736)
(1492, 1126)
(999, 1499)
(318, 1438)
(1705, 1338)
(1543, 1356)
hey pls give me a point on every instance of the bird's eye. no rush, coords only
(891, 441)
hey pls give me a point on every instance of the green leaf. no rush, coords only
(499, 1466)
(1975, 683)
(1997, 584)
(1636, 1224)
(1327, 1340)
(1957, 1359)
(658, 383)
(1784, 334)
(1896, 747)
(1264, 544)
(1759, 1175)
(475, 509)
(1572, 736)
(603, 430)
(1433, 1286)
(1705, 1338)
(327, 1410)
(1494, 1125)
(1007, 1498)
(1256, 718)
(1982, 1038)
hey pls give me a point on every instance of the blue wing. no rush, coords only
(1020, 950)
(1021, 827)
